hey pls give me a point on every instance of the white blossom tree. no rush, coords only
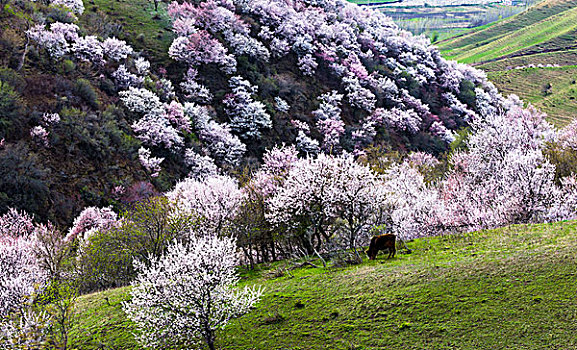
(20, 272)
(247, 116)
(214, 200)
(187, 294)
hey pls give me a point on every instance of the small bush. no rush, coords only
(13, 79)
(275, 318)
(68, 66)
(10, 107)
(84, 89)
(91, 135)
(60, 14)
(23, 182)
(106, 259)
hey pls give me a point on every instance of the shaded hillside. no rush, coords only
(500, 289)
(382, 88)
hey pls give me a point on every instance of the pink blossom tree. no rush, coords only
(21, 275)
(329, 120)
(150, 163)
(91, 220)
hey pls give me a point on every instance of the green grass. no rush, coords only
(142, 27)
(482, 36)
(562, 58)
(510, 288)
(543, 31)
(560, 104)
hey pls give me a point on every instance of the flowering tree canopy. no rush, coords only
(187, 294)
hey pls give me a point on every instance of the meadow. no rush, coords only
(552, 90)
(507, 288)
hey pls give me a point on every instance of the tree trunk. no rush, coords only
(209, 337)
(272, 250)
(23, 57)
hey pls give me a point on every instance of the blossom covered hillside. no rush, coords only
(283, 130)
(241, 77)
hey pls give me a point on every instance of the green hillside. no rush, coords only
(545, 34)
(510, 288)
(548, 26)
(558, 100)
(144, 28)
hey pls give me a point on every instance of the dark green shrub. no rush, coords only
(23, 182)
(68, 66)
(10, 108)
(60, 14)
(84, 89)
(95, 136)
(13, 79)
(467, 93)
(564, 159)
(108, 86)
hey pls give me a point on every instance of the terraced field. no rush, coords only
(561, 58)
(546, 30)
(558, 100)
(527, 26)
(546, 34)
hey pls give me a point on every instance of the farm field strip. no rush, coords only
(560, 103)
(487, 34)
(537, 33)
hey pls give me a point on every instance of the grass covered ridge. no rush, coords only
(558, 100)
(539, 29)
(510, 288)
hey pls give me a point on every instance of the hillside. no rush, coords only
(186, 148)
(218, 95)
(517, 53)
(548, 26)
(500, 289)
(559, 100)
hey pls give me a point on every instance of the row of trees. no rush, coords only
(511, 169)
(183, 277)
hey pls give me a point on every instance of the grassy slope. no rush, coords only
(541, 32)
(560, 104)
(511, 288)
(531, 27)
(141, 25)
(544, 34)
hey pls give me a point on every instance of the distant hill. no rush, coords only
(550, 26)
(518, 52)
